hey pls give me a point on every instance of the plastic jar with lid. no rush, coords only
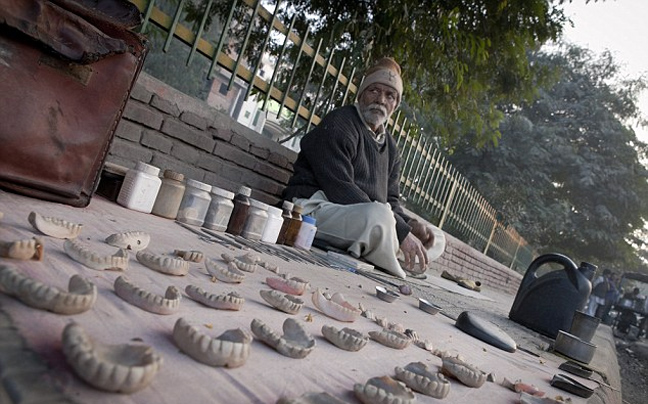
(306, 233)
(240, 211)
(256, 220)
(170, 196)
(286, 214)
(273, 225)
(195, 203)
(220, 209)
(294, 226)
(140, 188)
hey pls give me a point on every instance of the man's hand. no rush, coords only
(422, 232)
(412, 247)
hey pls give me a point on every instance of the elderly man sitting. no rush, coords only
(347, 177)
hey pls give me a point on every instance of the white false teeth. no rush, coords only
(230, 301)
(160, 263)
(229, 274)
(54, 227)
(80, 297)
(231, 349)
(123, 368)
(145, 300)
(83, 255)
(28, 249)
(419, 377)
(295, 342)
(335, 307)
(130, 240)
(284, 302)
(383, 390)
(346, 338)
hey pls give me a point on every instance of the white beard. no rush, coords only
(374, 114)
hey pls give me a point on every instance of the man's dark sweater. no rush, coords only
(342, 158)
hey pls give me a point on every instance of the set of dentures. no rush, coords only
(133, 366)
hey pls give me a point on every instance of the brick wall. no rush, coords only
(171, 130)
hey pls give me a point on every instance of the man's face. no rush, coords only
(377, 103)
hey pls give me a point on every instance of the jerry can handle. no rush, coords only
(565, 261)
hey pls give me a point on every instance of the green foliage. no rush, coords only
(460, 58)
(568, 171)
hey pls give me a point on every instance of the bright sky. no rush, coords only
(619, 26)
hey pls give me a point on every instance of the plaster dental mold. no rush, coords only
(336, 306)
(160, 263)
(230, 349)
(83, 255)
(54, 227)
(312, 398)
(230, 301)
(424, 344)
(124, 368)
(28, 249)
(246, 262)
(270, 267)
(190, 255)
(420, 377)
(145, 300)
(462, 371)
(286, 303)
(383, 390)
(390, 338)
(80, 297)
(346, 338)
(295, 342)
(130, 240)
(228, 274)
(294, 286)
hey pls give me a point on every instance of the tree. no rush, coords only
(460, 58)
(568, 171)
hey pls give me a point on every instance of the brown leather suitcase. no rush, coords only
(66, 71)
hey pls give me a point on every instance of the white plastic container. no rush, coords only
(195, 203)
(306, 233)
(140, 188)
(273, 225)
(220, 209)
(256, 220)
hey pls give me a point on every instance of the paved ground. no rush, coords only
(31, 371)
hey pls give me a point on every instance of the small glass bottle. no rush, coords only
(195, 203)
(256, 220)
(170, 195)
(306, 233)
(240, 211)
(220, 209)
(273, 225)
(294, 226)
(140, 188)
(286, 213)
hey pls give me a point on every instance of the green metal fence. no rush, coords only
(243, 33)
